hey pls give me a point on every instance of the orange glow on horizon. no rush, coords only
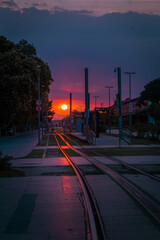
(77, 104)
(57, 104)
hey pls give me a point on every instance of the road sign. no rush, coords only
(38, 102)
(38, 108)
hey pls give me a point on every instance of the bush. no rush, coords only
(4, 161)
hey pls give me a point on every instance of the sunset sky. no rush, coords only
(71, 34)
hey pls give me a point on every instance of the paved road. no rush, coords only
(19, 145)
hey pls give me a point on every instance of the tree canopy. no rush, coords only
(151, 92)
(19, 84)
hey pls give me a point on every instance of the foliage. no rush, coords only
(19, 84)
(150, 92)
(26, 48)
(154, 111)
(4, 161)
(147, 130)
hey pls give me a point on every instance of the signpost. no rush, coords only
(38, 102)
(38, 108)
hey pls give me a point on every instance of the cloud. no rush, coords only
(10, 4)
(91, 7)
(70, 41)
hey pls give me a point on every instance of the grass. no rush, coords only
(124, 151)
(78, 141)
(52, 141)
(90, 170)
(53, 153)
(35, 153)
(139, 141)
(144, 141)
(43, 141)
(10, 172)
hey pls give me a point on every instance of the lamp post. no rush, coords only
(43, 86)
(95, 120)
(119, 105)
(130, 104)
(95, 100)
(109, 87)
(38, 67)
(86, 101)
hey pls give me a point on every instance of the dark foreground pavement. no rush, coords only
(19, 145)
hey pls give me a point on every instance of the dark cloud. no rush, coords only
(70, 41)
(79, 12)
(38, 5)
(10, 4)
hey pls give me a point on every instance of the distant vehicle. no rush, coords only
(10, 132)
(59, 129)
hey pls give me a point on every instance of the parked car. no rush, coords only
(10, 132)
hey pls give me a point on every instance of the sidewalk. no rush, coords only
(105, 141)
(19, 145)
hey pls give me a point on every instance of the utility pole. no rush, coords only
(86, 101)
(39, 99)
(95, 119)
(96, 100)
(130, 102)
(71, 109)
(42, 108)
(109, 87)
(118, 70)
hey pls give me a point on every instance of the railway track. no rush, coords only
(150, 206)
(95, 228)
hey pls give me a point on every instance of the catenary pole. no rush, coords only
(86, 101)
(130, 101)
(39, 99)
(109, 87)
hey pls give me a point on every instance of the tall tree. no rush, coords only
(19, 85)
(151, 92)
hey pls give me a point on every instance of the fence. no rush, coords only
(127, 136)
(91, 137)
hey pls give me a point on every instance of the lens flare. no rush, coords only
(64, 107)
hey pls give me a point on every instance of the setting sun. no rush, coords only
(64, 106)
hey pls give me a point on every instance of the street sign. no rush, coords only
(38, 102)
(38, 108)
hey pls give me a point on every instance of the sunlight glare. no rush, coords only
(64, 106)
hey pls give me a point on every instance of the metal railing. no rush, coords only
(91, 137)
(126, 136)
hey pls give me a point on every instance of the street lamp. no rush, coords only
(109, 87)
(43, 86)
(130, 104)
(95, 120)
(95, 100)
(39, 70)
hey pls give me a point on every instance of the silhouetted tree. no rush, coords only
(19, 84)
(151, 92)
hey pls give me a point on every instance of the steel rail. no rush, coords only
(146, 202)
(97, 231)
(122, 163)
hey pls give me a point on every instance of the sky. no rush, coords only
(70, 35)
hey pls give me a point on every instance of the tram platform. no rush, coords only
(102, 140)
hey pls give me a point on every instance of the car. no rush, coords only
(10, 132)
